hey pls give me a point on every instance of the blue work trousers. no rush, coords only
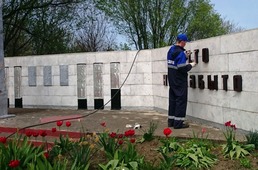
(177, 105)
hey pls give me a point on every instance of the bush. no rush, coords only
(252, 138)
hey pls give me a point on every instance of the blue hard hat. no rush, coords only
(182, 37)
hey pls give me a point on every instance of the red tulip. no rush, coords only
(14, 163)
(130, 132)
(3, 140)
(59, 123)
(43, 133)
(233, 126)
(28, 133)
(228, 123)
(132, 140)
(53, 130)
(120, 142)
(35, 134)
(68, 124)
(112, 135)
(167, 131)
(46, 154)
(203, 130)
(103, 124)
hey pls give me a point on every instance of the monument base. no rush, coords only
(7, 116)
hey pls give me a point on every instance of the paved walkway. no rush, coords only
(116, 121)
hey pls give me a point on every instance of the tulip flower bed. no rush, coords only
(114, 151)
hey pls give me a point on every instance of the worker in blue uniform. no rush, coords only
(177, 76)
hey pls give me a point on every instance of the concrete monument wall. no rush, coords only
(222, 86)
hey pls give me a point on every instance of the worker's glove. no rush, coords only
(193, 64)
(188, 53)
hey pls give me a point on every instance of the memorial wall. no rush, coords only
(222, 87)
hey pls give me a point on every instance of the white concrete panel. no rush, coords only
(143, 56)
(133, 78)
(73, 81)
(161, 102)
(147, 78)
(69, 101)
(25, 71)
(159, 54)
(209, 97)
(157, 78)
(218, 63)
(126, 90)
(24, 81)
(160, 91)
(66, 59)
(72, 70)
(43, 100)
(143, 101)
(239, 42)
(143, 67)
(47, 60)
(243, 61)
(35, 91)
(125, 68)
(56, 80)
(250, 81)
(90, 91)
(244, 101)
(142, 90)
(107, 91)
(135, 56)
(159, 66)
(107, 101)
(213, 44)
(62, 91)
(206, 112)
(90, 102)
(55, 70)
(89, 69)
(39, 80)
(88, 58)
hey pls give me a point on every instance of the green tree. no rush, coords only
(95, 32)
(37, 27)
(205, 23)
(155, 23)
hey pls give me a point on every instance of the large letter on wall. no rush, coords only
(225, 82)
(201, 84)
(98, 86)
(17, 86)
(81, 86)
(213, 85)
(192, 81)
(115, 91)
(237, 82)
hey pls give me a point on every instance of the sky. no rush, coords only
(244, 13)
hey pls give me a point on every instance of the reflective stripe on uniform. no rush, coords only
(174, 67)
(181, 65)
(171, 62)
(176, 118)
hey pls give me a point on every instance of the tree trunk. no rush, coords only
(3, 91)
